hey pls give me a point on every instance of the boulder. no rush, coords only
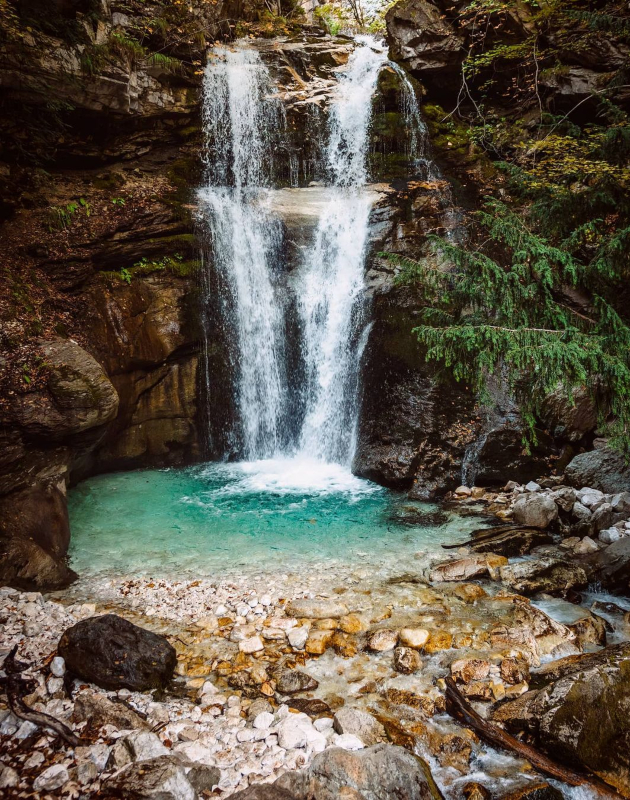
(359, 723)
(603, 468)
(115, 654)
(535, 509)
(99, 710)
(406, 660)
(569, 418)
(374, 773)
(161, 778)
(550, 575)
(582, 718)
(611, 566)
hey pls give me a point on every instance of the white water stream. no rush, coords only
(243, 121)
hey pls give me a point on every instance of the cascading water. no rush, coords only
(331, 297)
(240, 122)
(243, 122)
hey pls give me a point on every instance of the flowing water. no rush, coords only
(293, 344)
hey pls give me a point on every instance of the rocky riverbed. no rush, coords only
(277, 672)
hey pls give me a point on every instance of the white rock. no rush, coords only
(58, 667)
(263, 720)
(297, 637)
(221, 611)
(208, 688)
(588, 497)
(413, 637)
(54, 685)
(348, 741)
(252, 645)
(87, 772)
(323, 724)
(265, 600)
(609, 535)
(25, 730)
(461, 491)
(52, 778)
(532, 486)
(8, 778)
(245, 735)
(293, 731)
(144, 745)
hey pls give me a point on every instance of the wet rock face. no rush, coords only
(422, 38)
(115, 654)
(583, 717)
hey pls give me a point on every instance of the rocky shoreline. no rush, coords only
(333, 672)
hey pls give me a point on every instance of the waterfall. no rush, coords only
(241, 122)
(331, 298)
(244, 123)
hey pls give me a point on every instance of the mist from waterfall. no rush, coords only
(243, 122)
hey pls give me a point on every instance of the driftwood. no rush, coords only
(481, 535)
(459, 708)
(16, 687)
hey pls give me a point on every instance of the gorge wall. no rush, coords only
(101, 343)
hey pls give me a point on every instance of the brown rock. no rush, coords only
(475, 791)
(351, 623)
(438, 640)
(406, 660)
(344, 645)
(318, 642)
(470, 592)
(467, 670)
(514, 670)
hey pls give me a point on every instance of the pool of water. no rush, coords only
(266, 515)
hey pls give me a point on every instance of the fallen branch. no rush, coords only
(459, 708)
(16, 686)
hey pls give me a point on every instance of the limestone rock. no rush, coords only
(316, 609)
(467, 670)
(98, 710)
(463, 569)
(535, 509)
(359, 723)
(413, 637)
(382, 639)
(161, 778)
(549, 575)
(115, 654)
(377, 773)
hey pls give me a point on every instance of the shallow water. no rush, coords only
(280, 514)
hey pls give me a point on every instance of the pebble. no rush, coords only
(252, 645)
(297, 637)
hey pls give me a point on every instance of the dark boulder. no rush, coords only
(610, 567)
(602, 468)
(116, 654)
(582, 717)
(34, 538)
(292, 681)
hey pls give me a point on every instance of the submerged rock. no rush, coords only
(116, 654)
(316, 609)
(462, 569)
(292, 681)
